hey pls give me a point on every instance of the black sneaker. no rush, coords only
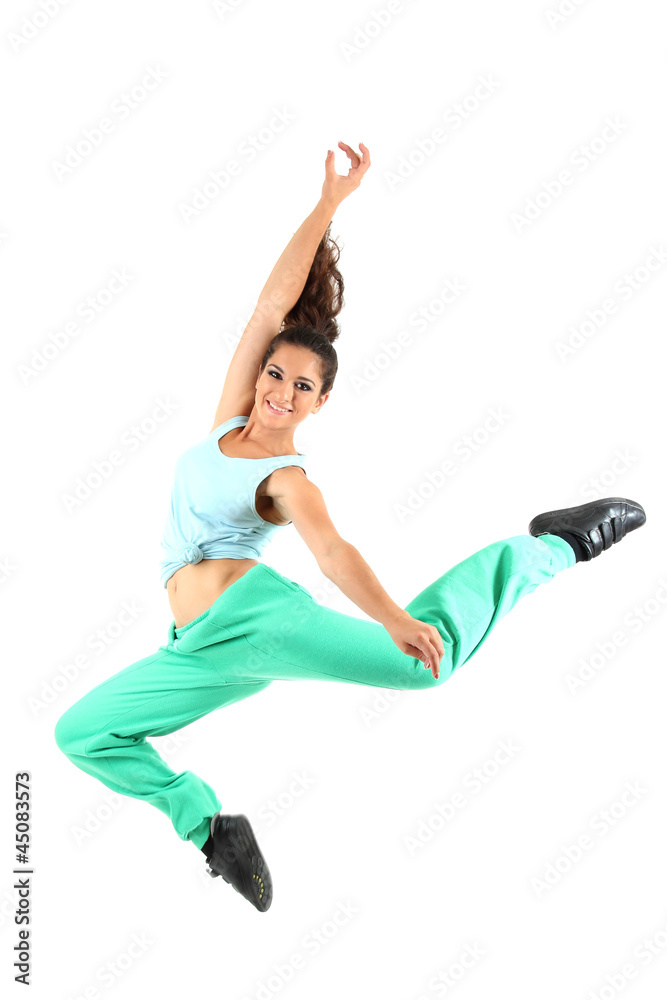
(596, 526)
(237, 858)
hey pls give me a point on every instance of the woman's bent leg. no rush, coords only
(104, 733)
(290, 636)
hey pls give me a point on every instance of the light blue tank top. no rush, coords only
(212, 512)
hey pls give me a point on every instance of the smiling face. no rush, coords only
(288, 389)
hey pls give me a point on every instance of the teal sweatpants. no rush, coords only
(265, 627)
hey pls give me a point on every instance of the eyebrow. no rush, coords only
(301, 378)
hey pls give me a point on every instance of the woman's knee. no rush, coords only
(421, 677)
(70, 732)
(427, 680)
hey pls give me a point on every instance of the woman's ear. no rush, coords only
(320, 403)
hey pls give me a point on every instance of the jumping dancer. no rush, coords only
(239, 624)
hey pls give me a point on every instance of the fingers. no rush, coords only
(422, 652)
(330, 165)
(433, 661)
(437, 639)
(365, 160)
(351, 154)
(348, 149)
(434, 654)
(426, 646)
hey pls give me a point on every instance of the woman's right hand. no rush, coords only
(418, 639)
(337, 187)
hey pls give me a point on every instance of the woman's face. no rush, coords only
(288, 389)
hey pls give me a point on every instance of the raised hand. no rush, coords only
(336, 187)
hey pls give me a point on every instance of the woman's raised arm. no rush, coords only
(284, 287)
(287, 279)
(281, 291)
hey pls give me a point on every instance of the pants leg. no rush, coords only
(290, 636)
(104, 733)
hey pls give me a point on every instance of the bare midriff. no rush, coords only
(196, 586)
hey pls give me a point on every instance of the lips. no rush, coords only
(275, 409)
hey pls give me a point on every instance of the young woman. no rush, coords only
(238, 624)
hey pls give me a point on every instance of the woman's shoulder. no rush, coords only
(231, 420)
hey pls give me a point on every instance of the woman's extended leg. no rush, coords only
(288, 635)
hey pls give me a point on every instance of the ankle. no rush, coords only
(574, 543)
(207, 848)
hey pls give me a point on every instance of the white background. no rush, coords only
(377, 763)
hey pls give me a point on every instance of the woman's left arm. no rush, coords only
(287, 279)
(283, 288)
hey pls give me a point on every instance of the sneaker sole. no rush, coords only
(254, 871)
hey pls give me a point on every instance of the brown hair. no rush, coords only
(311, 322)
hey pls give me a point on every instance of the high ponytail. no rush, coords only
(322, 297)
(311, 322)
